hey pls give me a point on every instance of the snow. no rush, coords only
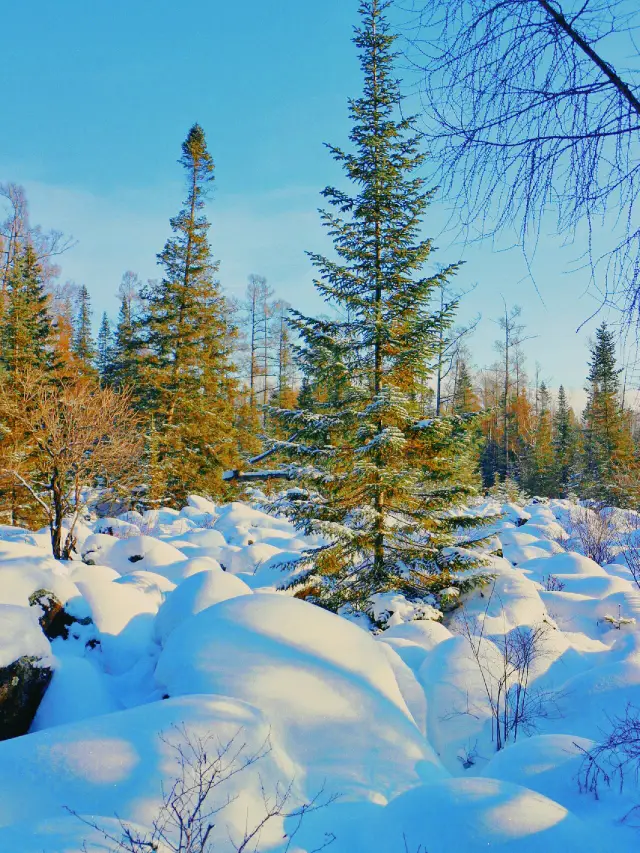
(113, 764)
(20, 635)
(194, 594)
(188, 626)
(325, 684)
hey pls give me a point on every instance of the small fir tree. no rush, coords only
(381, 482)
(465, 400)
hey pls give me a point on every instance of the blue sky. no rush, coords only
(98, 96)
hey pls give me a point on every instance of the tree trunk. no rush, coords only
(58, 516)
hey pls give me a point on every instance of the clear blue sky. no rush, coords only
(97, 97)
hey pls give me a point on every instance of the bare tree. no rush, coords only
(515, 705)
(534, 105)
(16, 231)
(193, 803)
(616, 758)
(450, 342)
(594, 530)
(509, 349)
(64, 438)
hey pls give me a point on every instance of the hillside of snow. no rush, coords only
(179, 627)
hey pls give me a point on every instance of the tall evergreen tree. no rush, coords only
(380, 479)
(565, 445)
(26, 327)
(541, 479)
(26, 336)
(105, 347)
(607, 440)
(127, 357)
(188, 368)
(84, 347)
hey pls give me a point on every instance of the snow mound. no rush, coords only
(324, 684)
(117, 763)
(475, 815)
(569, 563)
(143, 553)
(193, 595)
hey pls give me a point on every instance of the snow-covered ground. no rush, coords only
(188, 632)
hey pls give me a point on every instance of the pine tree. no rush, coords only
(26, 328)
(565, 445)
(464, 399)
(105, 347)
(541, 480)
(380, 480)
(187, 369)
(607, 440)
(125, 367)
(84, 347)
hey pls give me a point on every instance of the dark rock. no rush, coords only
(22, 686)
(521, 521)
(136, 558)
(55, 621)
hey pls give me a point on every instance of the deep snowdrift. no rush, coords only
(188, 633)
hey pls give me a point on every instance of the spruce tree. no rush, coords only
(380, 481)
(464, 399)
(105, 347)
(26, 337)
(26, 327)
(565, 446)
(127, 357)
(541, 479)
(84, 347)
(607, 442)
(187, 370)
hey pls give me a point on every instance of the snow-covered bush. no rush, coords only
(387, 609)
(616, 759)
(595, 531)
(506, 664)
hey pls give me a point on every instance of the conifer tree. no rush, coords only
(188, 370)
(464, 399)
(84, 347)
(105, 347)
(126, 361)
(26, 336)
(26, 328)
(607, 442)
(565, 445)
(541, 479)
(380, 480)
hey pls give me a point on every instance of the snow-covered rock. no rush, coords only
(193, 595)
